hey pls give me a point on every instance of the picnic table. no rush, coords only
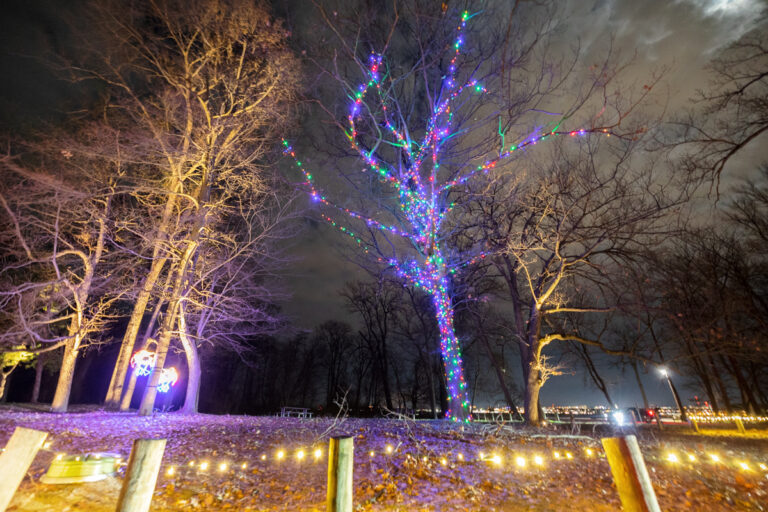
(296, 412)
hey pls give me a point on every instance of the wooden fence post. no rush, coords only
(630, 474)
(341, 456)
(658, 419)
(141, 475)
(740, 426)
(15, 460)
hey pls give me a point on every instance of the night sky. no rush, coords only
(680, 34)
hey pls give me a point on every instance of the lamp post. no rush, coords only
(672, 388)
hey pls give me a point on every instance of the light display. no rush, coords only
(168, 378)
(143, 362)
(422, 187)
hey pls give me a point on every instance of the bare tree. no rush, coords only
(731, 114)
(561, 233)
(199, 90)
(56, 215)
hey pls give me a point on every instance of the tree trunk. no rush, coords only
(640, 385)
(115, 391)
(4, 379)
(192, 397)
(450, 348)
(532, 388)
(163, 344)
(66, 374)
(500, 376)
(39, 367)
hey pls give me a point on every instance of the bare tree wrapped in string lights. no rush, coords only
(416, 157)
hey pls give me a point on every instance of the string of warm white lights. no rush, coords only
(498, 458)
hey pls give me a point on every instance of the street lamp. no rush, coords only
(672, 388)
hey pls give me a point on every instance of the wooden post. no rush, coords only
(740, 426)
(341, 456)
(695, 426)
(141, 475)
(16, 459)
(630, 474)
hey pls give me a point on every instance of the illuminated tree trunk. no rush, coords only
(115, 391)
(66, 374)
(163, 344)
(450, 348)
(193, 366)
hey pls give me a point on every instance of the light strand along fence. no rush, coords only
(623, 455)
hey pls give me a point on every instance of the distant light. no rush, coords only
(714, 457)
(538, 460)
(618, 417)
(300, 455)
(520, 461)
(191, 463)
(223, 466)
(691, 457)
(460, 456)
(590, 452)
(557, 455)
(443, 461)
(280, 455)
(763, 466)
(671, 457)
(664, 371)
(170, 471)
(496, 459)
(744, 466)
(263, 456)
(568, 455)
(389, 448)
(244, 465)
(203, 466)
(318, 453)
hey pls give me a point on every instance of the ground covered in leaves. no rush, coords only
(264, 463)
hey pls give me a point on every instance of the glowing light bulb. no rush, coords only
(589, 452)
(203, 466)
(538, 460)
(318, 453)
(691, 457)
(300, 455)
(443, 461)
(568, 455)
(671, 457)
(60, 456)
(424, 460)
(744, 466)
(170, 471)
(191, 463)
(371, 453)
(520, 461)
(714, 457)
(389, 448)
(460, 456)
(46, 445)
(280, 455)
(557, 455)
(496, 459)
(223, 466)
(763, 466)
(481, 455)
(263, 457)
(244, 465)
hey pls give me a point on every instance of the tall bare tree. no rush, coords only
(200, 90)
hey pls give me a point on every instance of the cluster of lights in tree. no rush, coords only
(422, 197)
(143, 362)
